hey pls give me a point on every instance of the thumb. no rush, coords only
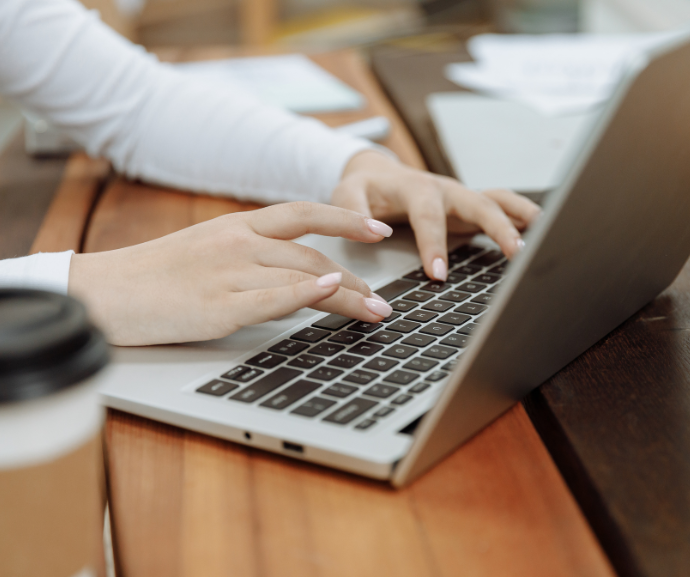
(259, 306)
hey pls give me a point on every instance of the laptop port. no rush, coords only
(295, 448)
(248, 436)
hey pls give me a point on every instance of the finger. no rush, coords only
(258, 306)
(345, 301)
(514, 205)
(295, 219)
(351, 197)
(484, 212)
(279, 254)
(427, 214)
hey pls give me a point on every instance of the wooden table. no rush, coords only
(186, 504)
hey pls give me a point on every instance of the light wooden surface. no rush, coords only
(183, 504)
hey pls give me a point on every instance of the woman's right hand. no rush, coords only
(211, 279)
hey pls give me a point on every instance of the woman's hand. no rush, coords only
(373, 184)
(209, 280)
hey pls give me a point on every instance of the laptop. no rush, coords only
(389, 400)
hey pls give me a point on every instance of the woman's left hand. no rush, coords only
(379, 186)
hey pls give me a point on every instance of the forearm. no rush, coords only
(154, 123)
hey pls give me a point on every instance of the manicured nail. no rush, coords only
(439, 269)
(519, 245)
(377, 297)
(329, 280)
(378, 308)
(378, 227)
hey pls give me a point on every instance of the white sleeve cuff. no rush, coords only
(45, 270)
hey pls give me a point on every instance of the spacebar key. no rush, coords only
(265, 385)
(395, 289)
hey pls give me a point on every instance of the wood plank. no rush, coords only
(186, 504)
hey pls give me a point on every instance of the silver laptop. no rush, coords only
(389, 400)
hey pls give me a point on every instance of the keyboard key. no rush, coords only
(216, 388)
(390, 317)
(383, 412)
(486, 278)
(421, 316)
(265, 385)
(288, 347)
(436, 286)
(362, 327)
(492, 290)
(292, 394)
(435, 376)
(332, 322)
(326, 349)
(454, 319)
(478, 320)
(249, 375)
(402, 399)
(313, 407)
(437, 306)
(366, 349)
(500, 269)
(400, 352)
(419, 388)
(360, 377)
(468, 329)
(471, 308)
(403, 306)
(400, 377)
(420, 364)
(455, 278)
(384, 337)
(346, 337)
(455, 296)
(403, 326)
(439, 352)
(450, 365)
(235, 372)
(436, 329)
(468, 269)
(325, 374)
(473, 287)
(395, 289)
(419, 296)
(350, 411)
(456, 340)
(418, 340)
(340, 391)
(483, 299)
(488, 258)
(309, 335)
(380, 364)
(305, 362)
(365, 424)
(463, 253)
(417, 275)
(382, 391)
(266, 360)
(345, 361)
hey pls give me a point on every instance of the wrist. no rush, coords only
(368, 160)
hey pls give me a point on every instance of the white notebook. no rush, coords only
(291, 81)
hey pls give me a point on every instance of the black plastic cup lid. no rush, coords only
(47, 344)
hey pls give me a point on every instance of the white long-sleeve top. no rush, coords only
(60, 61)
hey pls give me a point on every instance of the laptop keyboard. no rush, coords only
(353, 373)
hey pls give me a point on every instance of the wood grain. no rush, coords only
(186, 504)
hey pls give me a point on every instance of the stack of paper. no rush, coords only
(290, 81)
(554, 74)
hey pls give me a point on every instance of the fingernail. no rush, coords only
(377, 297)
(439, 269)
(378, 308)
(329, 280)
(378, 227)
(519, 245)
